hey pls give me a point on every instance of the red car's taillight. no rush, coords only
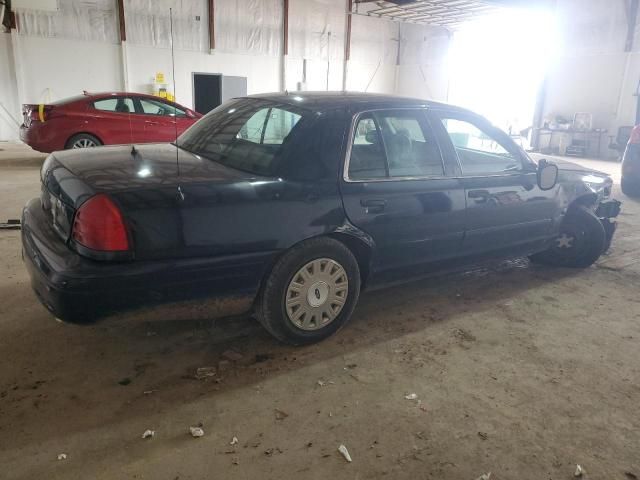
(634, 139)
(99, 225)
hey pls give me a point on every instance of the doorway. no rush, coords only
(207, 92)
(497, 65)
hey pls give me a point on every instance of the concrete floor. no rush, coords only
(521, 371)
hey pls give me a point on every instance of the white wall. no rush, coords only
(56, 62)
(262, 71)
(593, 73)
(8, 91)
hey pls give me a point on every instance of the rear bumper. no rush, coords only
(41, 137)
(79, 290)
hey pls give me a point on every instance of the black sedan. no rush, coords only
(288, 205)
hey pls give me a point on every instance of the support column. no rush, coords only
(347, 46)
(123, 46)
(285, 44)
(212, 26)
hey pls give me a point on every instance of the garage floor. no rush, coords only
(521, 371)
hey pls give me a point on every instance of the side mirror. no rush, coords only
(547, 175)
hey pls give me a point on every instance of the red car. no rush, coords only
(90, 120)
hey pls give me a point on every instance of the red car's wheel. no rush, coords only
(83, 140)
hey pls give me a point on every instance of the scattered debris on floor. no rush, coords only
(280, 415)
(483, 435)
(232, 355)
(149, 434)
(484, 476)
(345, 453)
(411, 396)
(148, 392)
(11, 224)
(270, 451)
(579, 471)
(205, 372)
(631, 475)
(196, 432)
(234, 440)
(62, 456)
(324, 383)
(125, 381)
(235, 460)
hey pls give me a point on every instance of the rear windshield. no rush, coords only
(246, 134)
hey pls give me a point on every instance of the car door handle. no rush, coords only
(149, 122)
(480, 196)
(373, 205)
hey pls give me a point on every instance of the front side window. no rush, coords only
(394, 143)
(156, 107)
(248, 135)
(479, 151)
(115, 105)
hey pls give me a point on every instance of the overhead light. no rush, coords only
(144, 172)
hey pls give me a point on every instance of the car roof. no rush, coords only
(323, 101)
(101, 95)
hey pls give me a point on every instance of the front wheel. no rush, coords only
(581, 241)
(311, 292)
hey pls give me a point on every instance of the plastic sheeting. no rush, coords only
(374, 40)
(249, 26)
(148, 23)
(94, 20)
(423, 44)
(317, 29)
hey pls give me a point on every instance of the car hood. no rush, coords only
(119, 167)
(566, 166)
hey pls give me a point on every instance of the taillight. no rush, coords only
(634, 139)
(99, 225)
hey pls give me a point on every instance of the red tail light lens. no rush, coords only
(99, 225)
(635, 135)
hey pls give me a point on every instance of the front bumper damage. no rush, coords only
(606, 211)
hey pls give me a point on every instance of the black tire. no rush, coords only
(588, 241)
(271, 310)
(83, 138)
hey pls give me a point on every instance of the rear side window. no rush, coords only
(115, 104)
(367, 152)
(394, 143)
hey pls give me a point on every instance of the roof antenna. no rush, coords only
(175, 110)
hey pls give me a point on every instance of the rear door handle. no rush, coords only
(373, 205)
(149, 122)
(480, 196)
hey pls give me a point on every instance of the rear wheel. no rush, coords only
(83, 140)
(311, 292)
(581, 241)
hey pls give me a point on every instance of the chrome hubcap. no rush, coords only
(565, 241)
(84, 143)
(316, 294)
